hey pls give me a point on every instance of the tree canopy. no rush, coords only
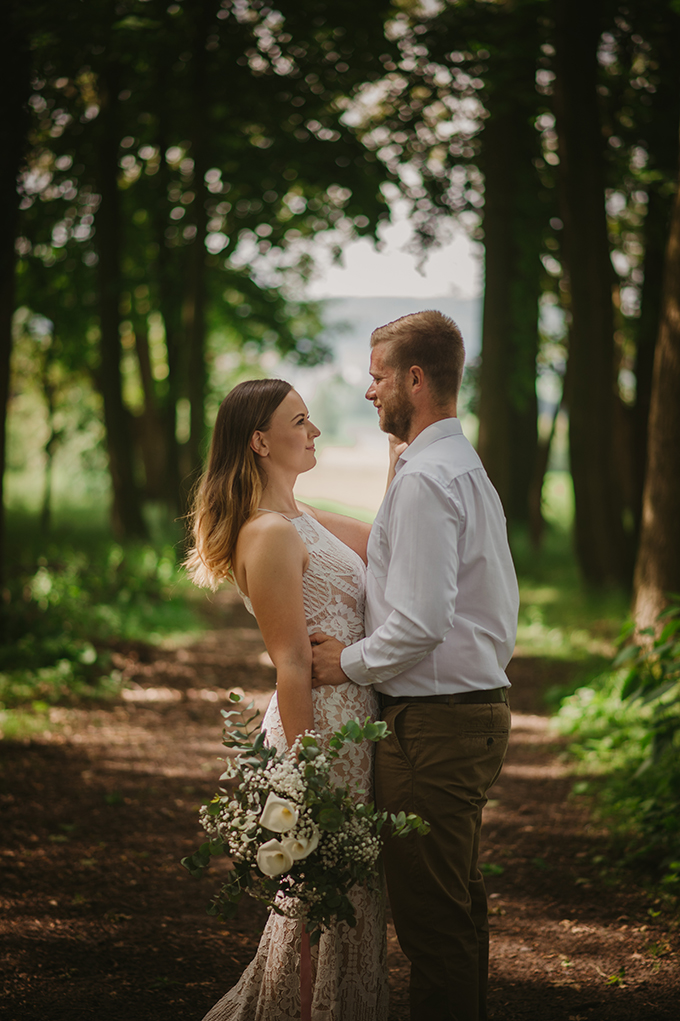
(173, 160)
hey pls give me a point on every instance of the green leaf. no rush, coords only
(133, 21)
(487, 868)
(628, 652)
(330, 819)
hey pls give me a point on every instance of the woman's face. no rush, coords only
(289, 440)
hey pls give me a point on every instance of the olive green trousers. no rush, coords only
(439, 762)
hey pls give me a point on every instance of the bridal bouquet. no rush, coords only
(296, 841)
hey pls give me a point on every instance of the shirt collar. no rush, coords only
(432, 433)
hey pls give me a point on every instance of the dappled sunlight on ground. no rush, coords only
(99, 919)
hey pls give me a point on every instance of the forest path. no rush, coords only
(98, 920)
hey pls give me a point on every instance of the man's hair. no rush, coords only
(430, 340)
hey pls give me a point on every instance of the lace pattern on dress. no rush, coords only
(349, 966)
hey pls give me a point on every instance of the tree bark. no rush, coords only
(149, 426)
(127, 517)
(194, 305)
(513, 226)
(16, 66)
(495, 438)
(603, 551)
(167, 274)
(655, 239)
(657, 569)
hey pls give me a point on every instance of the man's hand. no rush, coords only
(326, 667)
(397, 448)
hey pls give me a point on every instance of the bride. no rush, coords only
(298, 570)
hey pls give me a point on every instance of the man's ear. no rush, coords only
(416, 379)
(258, 443)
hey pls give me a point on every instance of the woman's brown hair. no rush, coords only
(230, 490)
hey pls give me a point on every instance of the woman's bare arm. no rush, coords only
(273, 558)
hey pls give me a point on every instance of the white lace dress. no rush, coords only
(349, 969)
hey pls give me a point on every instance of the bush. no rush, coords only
(61, 612)
(628, 726)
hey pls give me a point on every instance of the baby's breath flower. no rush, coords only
(318, 864)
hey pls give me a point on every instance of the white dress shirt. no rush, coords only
(441, 590)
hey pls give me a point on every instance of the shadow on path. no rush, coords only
(100, 921)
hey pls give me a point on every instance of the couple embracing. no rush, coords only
(413, 618)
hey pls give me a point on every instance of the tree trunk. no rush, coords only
(53, 439)
(494, 406)
(150, 431)
(169, 300)
(657, 570)
(602, 548)
(655, 238)
(126, 512)
(512, 233)
(508, 433)
(194, 305)
(16, 68)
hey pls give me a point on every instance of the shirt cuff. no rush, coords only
(352, 663)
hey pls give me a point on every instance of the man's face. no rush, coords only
(389, 394)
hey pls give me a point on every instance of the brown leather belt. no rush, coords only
(455, 698)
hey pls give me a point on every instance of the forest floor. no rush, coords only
(98, 919)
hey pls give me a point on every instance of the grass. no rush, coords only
(560, 617)
(69, 596)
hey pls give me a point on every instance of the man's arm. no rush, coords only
(423, 530)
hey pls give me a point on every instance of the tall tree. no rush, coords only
(601, 544)
(644, 99)
(13, 139)
(514, 225)
(127, 504)
(657, 570)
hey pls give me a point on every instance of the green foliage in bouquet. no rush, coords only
(297, 841)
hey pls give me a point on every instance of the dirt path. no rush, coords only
(99, 921)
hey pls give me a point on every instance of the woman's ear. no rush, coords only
(258, 443)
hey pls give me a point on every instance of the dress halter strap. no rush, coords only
(268, 511)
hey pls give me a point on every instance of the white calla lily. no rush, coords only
(278, 814)
(301, 847)
(273, 858)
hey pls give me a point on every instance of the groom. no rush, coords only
(441, 617)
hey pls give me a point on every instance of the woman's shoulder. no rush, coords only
(264, 527)
(267, 533)
(265, 540)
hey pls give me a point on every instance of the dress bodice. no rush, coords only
(333, 586)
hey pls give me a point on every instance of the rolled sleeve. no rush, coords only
(352, 663)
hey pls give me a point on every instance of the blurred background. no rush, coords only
(199, 192)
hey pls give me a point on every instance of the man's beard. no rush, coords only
(396, 418)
